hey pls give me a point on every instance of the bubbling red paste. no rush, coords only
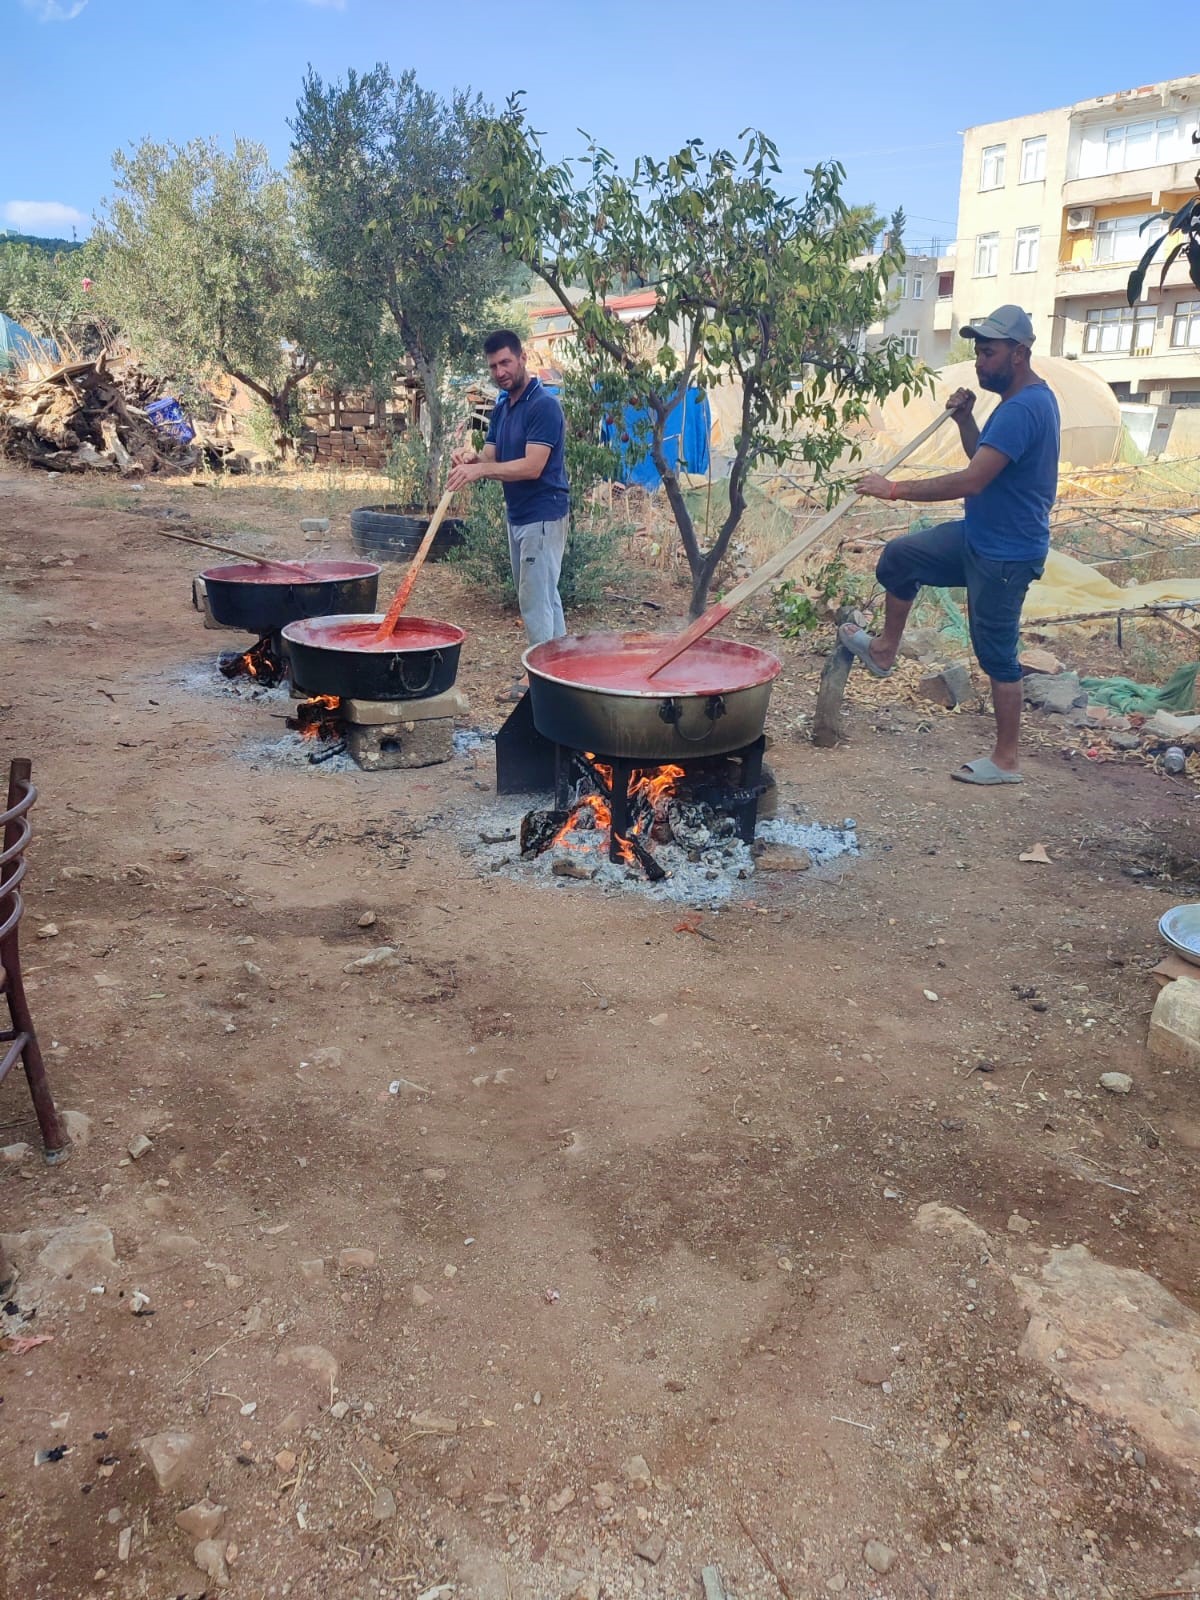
(411, 633)
(292, 572)
(707, 667)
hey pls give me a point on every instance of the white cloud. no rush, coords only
(41, 216)
(54, 10)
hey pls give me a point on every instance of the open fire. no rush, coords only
(263, 662)
(318, 717)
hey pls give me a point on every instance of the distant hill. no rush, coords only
(50, 246)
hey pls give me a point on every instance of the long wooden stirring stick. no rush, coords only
(228, 550)
(772, 567)
(388, 626)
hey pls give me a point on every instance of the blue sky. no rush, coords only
(886, 88)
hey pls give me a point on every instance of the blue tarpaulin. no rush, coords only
(634, 435)
(18, 344)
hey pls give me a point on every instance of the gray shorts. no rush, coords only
(941, 558)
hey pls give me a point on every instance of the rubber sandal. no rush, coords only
(985, 771)
(858, 641)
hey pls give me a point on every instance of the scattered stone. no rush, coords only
(69, 1248)
(1175, 1024)
(560, 1501)
(432, 1422)
(313, 1359)
(312, 1271)
(314, 524)
(16, 1152)
(339, 1410)
(285, 1460)
(604, 1496)
(934, 1217)
(1039, 661)
(48, 930)
(874, 1374)
(1120, 1344)
(209, 1556)
(949, 687)
(879, 1557)
(421, 1297)
(1125, 741)
(1018, 1224)
(564, 867)
(652, 1548)
(1116, 1082)
(140, 1146)
(783, 858)
(204, 1520)
(1054, 691)
(636, 1473)
(368, 919)
(836, 1584)
(124, 1544)
(170, 1454)
(589, 1589)
(356, 1260)
(384, 1508)
(712, 1584)
(78, 1125)
(386, 957)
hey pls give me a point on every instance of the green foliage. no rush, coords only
(203, 269)
(753, 288)
(592, 562)
(407, 466)
(960, 350)
(45, 291)
(381, 165)
(1185, 223)
(802, 605)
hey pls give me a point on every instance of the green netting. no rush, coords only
(1123, 695)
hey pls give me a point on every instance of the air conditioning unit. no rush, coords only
(1080, 218)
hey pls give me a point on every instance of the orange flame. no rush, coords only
(314, 715)
(650, 786)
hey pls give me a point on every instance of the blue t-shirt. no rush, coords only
(1010, 519)
(536, 418)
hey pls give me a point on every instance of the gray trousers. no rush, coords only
(536, 552)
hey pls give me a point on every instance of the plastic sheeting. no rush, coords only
(1091, 417)
(689, 423)
(18, 344)
(1070, 586)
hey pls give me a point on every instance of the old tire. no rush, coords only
(394, 532)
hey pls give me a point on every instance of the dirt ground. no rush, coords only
(643, 1194)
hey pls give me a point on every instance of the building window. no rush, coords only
(917, 286)
(1122, 239)
(987, 253)
(1025, 249)
(908, 339)
(991, 171)
(1141, 144)
(1185, 325)
(1033, 159)
(945, 285)
(1118, 330)
(899, 286)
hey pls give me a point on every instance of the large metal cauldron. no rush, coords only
(263, 599)
(338, 655)
(590, 691)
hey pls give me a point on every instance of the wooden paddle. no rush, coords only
(772, 567)
(293, 567)
(388, 626)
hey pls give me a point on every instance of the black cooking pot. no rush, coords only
(263, 599)
(591, 691)
(338, 655)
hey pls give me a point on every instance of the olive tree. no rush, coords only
(381, 167)
(203, 270)
(752, 288)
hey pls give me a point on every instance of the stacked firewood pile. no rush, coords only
(91, 416)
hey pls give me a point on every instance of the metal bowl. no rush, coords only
(1180, 927)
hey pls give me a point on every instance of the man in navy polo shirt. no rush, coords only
(999, 547)
(524, 452)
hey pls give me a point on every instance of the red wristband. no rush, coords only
(893, 491)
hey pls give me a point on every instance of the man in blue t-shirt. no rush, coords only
(999, 547)
(524, 452)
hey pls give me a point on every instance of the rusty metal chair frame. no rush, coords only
(18, 1042)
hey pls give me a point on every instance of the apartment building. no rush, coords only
(1054, 212)
(919, 306)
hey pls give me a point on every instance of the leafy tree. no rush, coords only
(204, 272)
(752, 288)
(1185, 224)
(48, 290)
(381, 165)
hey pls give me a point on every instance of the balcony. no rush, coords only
(943, 322)
(1142, 182)
(1071, 282)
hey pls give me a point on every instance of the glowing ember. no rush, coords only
(262, 662)
(649, 790)
(318, 717)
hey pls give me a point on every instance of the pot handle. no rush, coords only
(398, 666)
(714, 707)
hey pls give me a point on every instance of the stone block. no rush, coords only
(950, 686)
(1054, 691)
(1175, 1024)
(450, 703)
(393, 745)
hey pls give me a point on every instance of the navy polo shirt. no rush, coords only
(1009, 520)
(536, 418)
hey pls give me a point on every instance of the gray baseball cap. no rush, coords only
(1006, 322)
